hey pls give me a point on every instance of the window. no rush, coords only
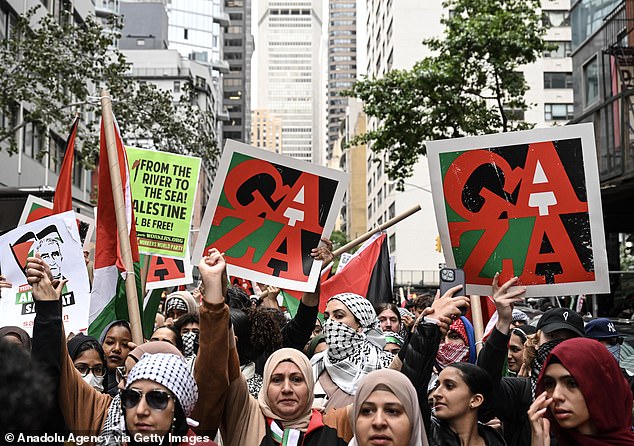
(557, 80)
(177, 86)
(392, 242)
(556, 18)
(562, 49)
(591, 81)
(554, 112)
(392, 211)
(185, 33)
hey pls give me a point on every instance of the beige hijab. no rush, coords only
(403, 389)
(302, 362)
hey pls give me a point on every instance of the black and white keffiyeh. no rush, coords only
(175, 303)
(170, 371)
(540, 359)
(352, 354)
(189, 343)
(114, 425)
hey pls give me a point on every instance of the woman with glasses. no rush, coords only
(89, 359)
(86, 411)
(160, 394)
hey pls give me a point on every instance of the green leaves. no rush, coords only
(468, 87)
(57, 69)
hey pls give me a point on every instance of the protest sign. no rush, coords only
(266, 212)
(163, 189)
(36, 208)
(526, 204)
(164, 272)
(57, 240)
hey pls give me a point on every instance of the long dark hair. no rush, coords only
(478, 381)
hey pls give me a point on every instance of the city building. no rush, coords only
(352, 159)
(395, 31)
(290, 65)
(603, 73)
(266, 131)
(238, 50)
(196, 31)
(550, 94)
(35, 167)
(342, 63)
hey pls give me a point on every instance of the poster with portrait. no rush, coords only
(57, 240)
(526, 204)
(266, 212)
(36, 208)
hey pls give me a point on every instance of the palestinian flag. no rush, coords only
(108, 298)
(63, 199)
(367, 274)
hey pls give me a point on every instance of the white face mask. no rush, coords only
(96, 382)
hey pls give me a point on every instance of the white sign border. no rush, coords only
(585, 132)
(232, 147)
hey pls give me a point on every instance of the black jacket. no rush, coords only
(441, 435)
(418, 356)
(322, 436)
(512, 394)
(295, 334)
(46, 350)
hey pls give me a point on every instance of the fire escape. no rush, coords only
(618, 86)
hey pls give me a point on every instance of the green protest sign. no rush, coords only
(163, 189)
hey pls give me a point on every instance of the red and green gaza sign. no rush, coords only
(525, 204)
(266, 212)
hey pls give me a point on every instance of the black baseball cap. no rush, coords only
(561, 319)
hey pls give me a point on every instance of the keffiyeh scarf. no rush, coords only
(540, 359)
(114, 425)
(449, 352)
(352, 354)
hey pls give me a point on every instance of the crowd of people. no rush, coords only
(223, 368)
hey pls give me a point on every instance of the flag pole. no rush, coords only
(476, 316)
(122, 225)
(357, 241)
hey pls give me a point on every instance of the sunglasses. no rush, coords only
(97, 370)
(156, 399)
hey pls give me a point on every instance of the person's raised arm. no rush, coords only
(297, 332)
(418, 356)
(211, 369)
(83, 407)
(494, 351)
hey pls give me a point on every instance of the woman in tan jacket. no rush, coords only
(86, 411)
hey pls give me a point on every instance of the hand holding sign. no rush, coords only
(38, 275)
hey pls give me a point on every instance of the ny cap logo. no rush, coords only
(565, 315)
(611, 328)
